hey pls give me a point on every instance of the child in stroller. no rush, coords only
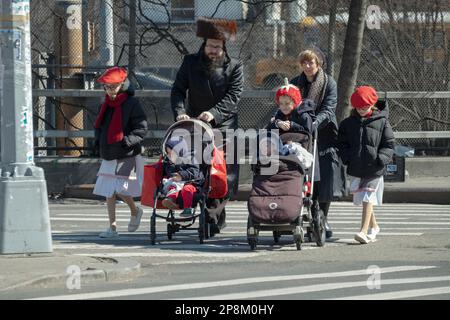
(277, 200)
(189, 181)
(183, 177)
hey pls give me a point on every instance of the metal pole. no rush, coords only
(70, 50)
(132, 39)
(106, 33)
(24, 216)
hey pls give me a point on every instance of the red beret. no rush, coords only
(364, 96)
(113, 75)
(291, 91)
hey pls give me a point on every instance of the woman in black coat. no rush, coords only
(120, 129)
(316, 85)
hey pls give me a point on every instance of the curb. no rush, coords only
(117, 269)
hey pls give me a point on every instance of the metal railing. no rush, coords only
(269, 94)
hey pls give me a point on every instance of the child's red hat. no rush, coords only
(364, 96)
(289, 90)
(113, 75)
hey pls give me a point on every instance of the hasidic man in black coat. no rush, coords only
(212, 82)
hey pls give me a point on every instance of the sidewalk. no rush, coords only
(41, 270)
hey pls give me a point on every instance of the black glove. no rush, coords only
(96, 149)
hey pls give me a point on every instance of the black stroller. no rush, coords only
(282, 202)
(200, 138)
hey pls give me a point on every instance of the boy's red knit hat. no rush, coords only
(113, 75)
(289, 90)
(364, 96)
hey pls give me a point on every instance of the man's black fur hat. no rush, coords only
(220, 29)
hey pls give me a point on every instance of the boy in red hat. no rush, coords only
(293, 115)
(366, 146)
(120, 128)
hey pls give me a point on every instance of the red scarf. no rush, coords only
(115, 130)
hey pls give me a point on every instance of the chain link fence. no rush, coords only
(405, 48)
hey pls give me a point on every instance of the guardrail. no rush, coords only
(246, 94)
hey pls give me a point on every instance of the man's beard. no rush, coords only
(211, 65)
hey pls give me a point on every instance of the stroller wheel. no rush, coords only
(253, 243)
(153, 230)
(276, 236)
(169, 231)
(298, 243)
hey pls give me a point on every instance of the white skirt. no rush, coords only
(373, 197)
(107, 185)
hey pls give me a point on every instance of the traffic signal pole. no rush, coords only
(24, 215)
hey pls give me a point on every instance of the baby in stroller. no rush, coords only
(277, 200)
(183, 177)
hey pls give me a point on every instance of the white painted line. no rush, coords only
(312, 288)
(233, 282)
(228, 255)
(399, 228)
(393, 222)
(242, 221)
(384, 233)
(165, 245)
(403, 294)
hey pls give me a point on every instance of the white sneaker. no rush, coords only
(109, 233)
(135, 221)
(362, 238)
(372, 233)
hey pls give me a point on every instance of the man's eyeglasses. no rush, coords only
(218, 48)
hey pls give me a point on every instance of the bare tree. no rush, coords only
(351, 56)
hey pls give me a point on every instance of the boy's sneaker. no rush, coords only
(372, 233)
(362, 238)
(186, 213)
(109, 233)
(135, 221)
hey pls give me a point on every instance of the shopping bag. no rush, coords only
(218, 176)
(153, 174)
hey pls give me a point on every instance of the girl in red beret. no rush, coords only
(292, 115)
(366, 146)
(120, 128)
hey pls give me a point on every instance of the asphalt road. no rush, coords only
(410, 259)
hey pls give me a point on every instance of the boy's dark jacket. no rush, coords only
(366, 145)
(188, 172)
(301, 118)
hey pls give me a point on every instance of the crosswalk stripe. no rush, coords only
(245, 221)
(402, 294)
(229, 218)
(223, 283)
(384, 233)
(312, 288)
(179, 254)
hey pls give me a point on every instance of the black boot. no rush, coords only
(325, 206)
